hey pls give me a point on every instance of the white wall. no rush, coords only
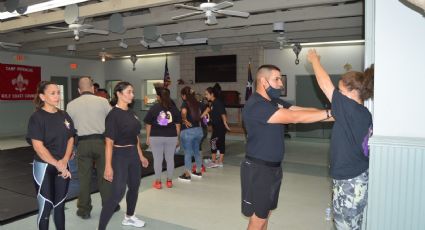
(399, 71)
(14, 115)
(333, 59)
(151, 67)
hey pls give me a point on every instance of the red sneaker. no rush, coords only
(194, 167)
(203, 169)
(157, 184)
(169, 183)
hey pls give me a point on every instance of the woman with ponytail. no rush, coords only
(51, 133)
(350, 134)
(162, 131)
(191, 133)
(123, 157)
(217, 114)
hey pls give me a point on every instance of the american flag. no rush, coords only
(248, 90)
(167, 80)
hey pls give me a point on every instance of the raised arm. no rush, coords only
(298, 108)
(322, 76)
(287, 116)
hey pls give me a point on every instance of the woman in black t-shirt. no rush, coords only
(219, 127)
(349, 147)
(162, 132)
(123, 156)
(51, 133)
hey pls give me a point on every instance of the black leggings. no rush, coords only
(218, 139)
(127, 171)
(51, 194)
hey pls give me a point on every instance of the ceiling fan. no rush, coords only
(71, 18)
(103, 55)
(7, 45)
(210, 9)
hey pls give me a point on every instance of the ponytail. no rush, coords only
(41, 87)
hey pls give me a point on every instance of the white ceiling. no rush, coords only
(305, 20)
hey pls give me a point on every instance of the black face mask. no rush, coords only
(272, 92)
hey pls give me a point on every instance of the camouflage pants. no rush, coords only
(349, 201)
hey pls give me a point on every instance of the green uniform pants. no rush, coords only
(88, 152)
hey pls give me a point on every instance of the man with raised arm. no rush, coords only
(264, 116)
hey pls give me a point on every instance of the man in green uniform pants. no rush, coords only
(89, 111)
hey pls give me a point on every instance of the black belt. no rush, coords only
(91, 137)
(263, 162)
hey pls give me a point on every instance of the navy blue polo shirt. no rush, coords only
(352, 122)
(264, 141)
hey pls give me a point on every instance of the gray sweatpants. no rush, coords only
(163, 146)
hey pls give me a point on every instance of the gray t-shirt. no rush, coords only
(89, 113)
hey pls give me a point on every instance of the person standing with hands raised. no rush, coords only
(350, 133)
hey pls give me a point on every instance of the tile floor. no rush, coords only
(213, 202)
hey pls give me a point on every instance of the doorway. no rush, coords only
(308, 94)
(63, 86)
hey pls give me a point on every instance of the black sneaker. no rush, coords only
(84, 216)
(197, 174)
(183, 177)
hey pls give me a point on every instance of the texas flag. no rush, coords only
(248, 90)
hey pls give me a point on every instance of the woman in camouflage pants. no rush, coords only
(349, 147)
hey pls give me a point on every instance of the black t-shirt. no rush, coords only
(163, 121)
(122, 126)
(352, 122)
(217, 109)
(189, 116)
(265, 141)
(53, 129)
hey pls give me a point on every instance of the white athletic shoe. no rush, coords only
(133, 221)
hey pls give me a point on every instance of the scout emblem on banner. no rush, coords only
(18, 82)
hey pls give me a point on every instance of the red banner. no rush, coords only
(18, 82)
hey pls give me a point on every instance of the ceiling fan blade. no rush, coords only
(86, 26)
(57, 27)
(6, 44)
(95, 31)
(58, 32)
(233, 13)
(223, 5)
(187, 7)
(187, 15)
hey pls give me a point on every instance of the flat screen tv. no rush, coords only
(215, 69)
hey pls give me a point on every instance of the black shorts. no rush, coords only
(218, 140)
(260, 188)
